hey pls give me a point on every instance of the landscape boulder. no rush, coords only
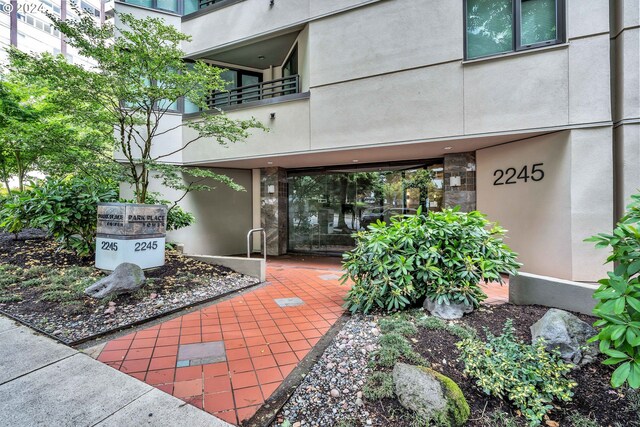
(431, 394)
(126, 278)
(447, 311)
(566, 333)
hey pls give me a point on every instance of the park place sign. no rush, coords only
(131, 233)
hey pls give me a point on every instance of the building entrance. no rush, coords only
(327, 206)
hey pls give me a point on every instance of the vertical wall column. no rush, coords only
(460, 181)
(273, 212)
(13, 23)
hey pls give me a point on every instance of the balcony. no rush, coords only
(255, 92)
(206, 3)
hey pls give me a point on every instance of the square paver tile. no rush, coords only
(201, 353)
(289, 302)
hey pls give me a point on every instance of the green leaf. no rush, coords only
(620, 375)
(635, 303)
(634, 375)
(616, 353)
(634, 268)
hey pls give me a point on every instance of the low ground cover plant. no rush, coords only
(441, 255)
(619, 299)
(53, 285)
(527, 375)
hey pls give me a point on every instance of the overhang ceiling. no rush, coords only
(359, 157)
(260, 55)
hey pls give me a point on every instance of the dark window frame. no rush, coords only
(292, 54)
(516, 45)
(154, 5)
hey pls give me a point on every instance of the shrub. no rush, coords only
(443, 255)
(66, 208)
(619, 299)
(527, 375)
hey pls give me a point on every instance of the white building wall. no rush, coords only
(549, 219)
(393, 72)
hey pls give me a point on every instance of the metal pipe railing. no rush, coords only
(264, 242)
(255, 92)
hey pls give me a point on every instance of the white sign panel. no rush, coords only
(146, 253)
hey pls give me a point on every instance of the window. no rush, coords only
(290, 66)
(175, 6)
(493, 27)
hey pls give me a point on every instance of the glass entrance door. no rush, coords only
(327, 207)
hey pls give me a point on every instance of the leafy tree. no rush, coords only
(140, 76)
(36, 135)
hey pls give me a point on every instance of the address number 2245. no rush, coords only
(511, 175)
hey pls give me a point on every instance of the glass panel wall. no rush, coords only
(327, 207)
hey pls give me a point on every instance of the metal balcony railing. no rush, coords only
(204, 3)
(264, 90)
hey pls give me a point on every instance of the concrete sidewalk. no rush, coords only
(43, 383)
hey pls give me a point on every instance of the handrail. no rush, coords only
(204, 3)
(264, 242)
(255, 92)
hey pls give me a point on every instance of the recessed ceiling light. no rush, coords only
(269, 163)
(355, 161)
(448, 148)
(261, 57)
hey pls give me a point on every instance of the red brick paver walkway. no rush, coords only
(263, 342)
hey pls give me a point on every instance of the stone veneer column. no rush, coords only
(273, 209)
(464, 166)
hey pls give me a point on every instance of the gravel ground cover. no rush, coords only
(43, 286)
(331, 393)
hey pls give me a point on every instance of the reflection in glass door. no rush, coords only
(327, 207)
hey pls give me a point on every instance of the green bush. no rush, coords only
(619, 299)
(527, 375)
(442, 255)
(66, 208)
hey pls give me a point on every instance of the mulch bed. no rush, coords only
(181, 282)
(593, 396)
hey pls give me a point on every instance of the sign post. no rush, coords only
(131, 233)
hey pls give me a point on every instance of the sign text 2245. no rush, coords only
(511, 175)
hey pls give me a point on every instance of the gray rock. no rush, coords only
(126, 278)
(568, 334)
(417, 390)
(447, 311)
(429, 393)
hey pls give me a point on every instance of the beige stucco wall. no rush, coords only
(288, 132)
(549, 219)
(626, 65)
(368, 87)
(242, 21)
(223, 216)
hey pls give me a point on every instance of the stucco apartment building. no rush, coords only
(528, 110)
